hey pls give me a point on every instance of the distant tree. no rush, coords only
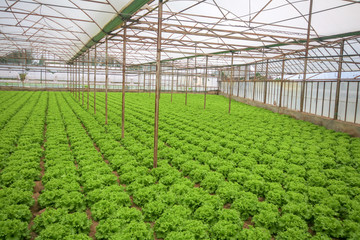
(18, 57)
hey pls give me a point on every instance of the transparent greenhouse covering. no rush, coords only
(251, 31)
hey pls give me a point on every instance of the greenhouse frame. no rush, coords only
(180, 119)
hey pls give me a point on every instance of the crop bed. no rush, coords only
(251, 174)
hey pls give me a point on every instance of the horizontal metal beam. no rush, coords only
(115, 23)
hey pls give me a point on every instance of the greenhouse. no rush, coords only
(180, 119)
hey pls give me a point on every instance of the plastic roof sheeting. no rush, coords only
(254, 30)
(59, 26)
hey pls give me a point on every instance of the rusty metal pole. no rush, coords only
(254, 83)
(95, 79)
(172, 80)
(79, 79)
(186, 80)
(231, 79)
(150, 76)
(123, 85)
(246, 73)
(177, 80)
(106, 79)
(68, 77)
(338, 83)
(282, 81)
(266, 79)
(206, 76)
(88, 83)
(305, 60)
(74, 78)
(83, 79)
(45, 71)
(238, 82)
(196, 77)
(144, 79)
(158, 76)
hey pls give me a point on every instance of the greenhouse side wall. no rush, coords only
(319, 101)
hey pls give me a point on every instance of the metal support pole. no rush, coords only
(246, 73)
(45, 69)
(106, 79)
(150, 76)
(186, 80)
(196, 77)
(144, 78)
(123, 85)
(79, 80)
(67, 77)
(282, 81)
(88, 83)
(177, 80)
(70, 78)
(338, 83)
(206, 76)
(158, 76)
(266, 80)
(231, 79)
(76, 77)
(254, 83)
(83, 79)
(95, 79)
(138, 82)
(172, 80)
(305, 60)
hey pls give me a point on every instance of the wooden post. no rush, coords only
(123, 85)
(106, 79)
(231, 79)
(206, 76)
(305, 60)
(172, 80)
(157, 87)
(282, 81)
(338, 83)
(186, 80)
(266, 80)
(95, 79)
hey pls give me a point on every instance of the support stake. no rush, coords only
(338, 83)
(106, 80)
(305, 60)
(158, 76)
(206, 76)
(123, 85)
